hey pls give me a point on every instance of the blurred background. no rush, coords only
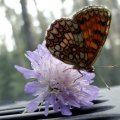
(23, 24)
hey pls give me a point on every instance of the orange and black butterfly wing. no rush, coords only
(94, 22)
(78, 41)
(63, 40)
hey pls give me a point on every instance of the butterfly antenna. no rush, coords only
(107, 86)
(107, 66)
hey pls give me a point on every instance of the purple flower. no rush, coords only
(56, 86)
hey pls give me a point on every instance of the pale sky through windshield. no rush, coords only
(48, 6)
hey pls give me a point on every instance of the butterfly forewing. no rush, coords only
(78, 41)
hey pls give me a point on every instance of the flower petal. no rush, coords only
(73, 102)
(65, 110)
(33, 105)
(87, 75)
(32, 56)
(86, 104)
(56, 106)
(32, 88)
(46, 108)
(27, 73)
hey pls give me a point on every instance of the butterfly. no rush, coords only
(78, 41)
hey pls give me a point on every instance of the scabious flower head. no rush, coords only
(55, 85)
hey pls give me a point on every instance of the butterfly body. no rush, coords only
(78, 41)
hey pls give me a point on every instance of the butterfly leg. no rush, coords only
(80, 73)
(67, 69)
(79, 77)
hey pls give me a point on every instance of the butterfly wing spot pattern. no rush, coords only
(78, 41)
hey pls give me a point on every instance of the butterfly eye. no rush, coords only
(78, 41)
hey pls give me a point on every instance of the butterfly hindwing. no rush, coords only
(63, 38)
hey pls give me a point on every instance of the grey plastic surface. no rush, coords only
(106, 107)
